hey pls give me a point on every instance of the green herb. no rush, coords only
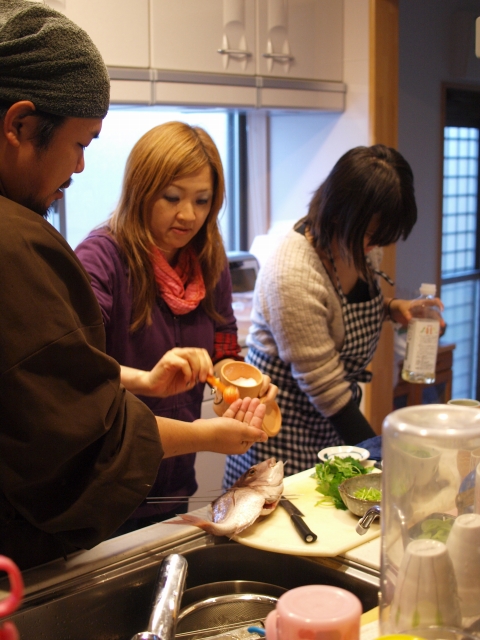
(436, 529)
(368, 493)
(332, 473)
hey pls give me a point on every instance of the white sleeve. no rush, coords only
(297, 302)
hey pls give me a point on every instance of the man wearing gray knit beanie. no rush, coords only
(51, 76)
(64, 419)
(78, 453)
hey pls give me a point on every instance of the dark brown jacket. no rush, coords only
(78, 453)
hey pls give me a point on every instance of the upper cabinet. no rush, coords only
(119, 28)
(300, 39)
(297, 39)
(232, 53)
(209, 36)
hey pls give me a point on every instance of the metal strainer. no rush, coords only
(219, 607)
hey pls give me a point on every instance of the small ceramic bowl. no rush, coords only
(365, 481)
(343, 451)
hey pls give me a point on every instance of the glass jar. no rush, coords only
(428, 483)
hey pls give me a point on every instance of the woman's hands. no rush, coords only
(401, 310)
(234, 432)
(239, 428)
(177, 371)
(247, 410)
(268, 391)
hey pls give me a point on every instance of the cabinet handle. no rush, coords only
(279, 57)
(240, 53)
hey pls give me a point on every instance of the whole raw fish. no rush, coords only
(256, 493)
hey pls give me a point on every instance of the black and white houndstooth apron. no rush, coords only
(304, 430)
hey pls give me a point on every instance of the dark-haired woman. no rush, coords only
(318, 308)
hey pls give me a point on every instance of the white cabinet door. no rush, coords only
(187, 34)
(300, 39)
(119, 28)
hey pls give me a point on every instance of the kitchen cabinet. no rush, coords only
(274, 54)
(300, 39)
(294, 39)
(187, 35)
(119, 28)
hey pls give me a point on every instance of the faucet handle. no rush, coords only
(168, 595)
(367, 519)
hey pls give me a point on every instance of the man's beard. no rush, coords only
(39, 207)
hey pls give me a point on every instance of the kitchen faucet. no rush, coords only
(367, 519)
(168, 595)
(374, 512)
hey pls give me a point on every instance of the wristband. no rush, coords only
(388, 313)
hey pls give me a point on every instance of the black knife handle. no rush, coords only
(303, 529)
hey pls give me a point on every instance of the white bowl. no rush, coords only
(344, 451)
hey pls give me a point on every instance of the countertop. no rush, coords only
(151, 540)
(367, 554)
(148, 540)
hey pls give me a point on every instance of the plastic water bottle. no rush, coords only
(422, 340)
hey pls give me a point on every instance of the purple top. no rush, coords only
(101, 257)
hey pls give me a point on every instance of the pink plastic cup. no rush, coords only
(315, 611)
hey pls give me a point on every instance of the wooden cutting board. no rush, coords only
(335, 528)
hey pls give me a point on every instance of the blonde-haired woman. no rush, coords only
(160, 274)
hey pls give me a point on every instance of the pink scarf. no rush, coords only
(182, 287)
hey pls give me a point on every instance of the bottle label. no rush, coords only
(422, 346)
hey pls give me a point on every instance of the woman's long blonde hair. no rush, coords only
(165, 153)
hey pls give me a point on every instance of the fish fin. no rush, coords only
(206, 525)
(246, 525)
(214, 528)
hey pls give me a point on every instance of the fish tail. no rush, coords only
(206, 525)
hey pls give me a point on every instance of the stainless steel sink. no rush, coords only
(114, 603)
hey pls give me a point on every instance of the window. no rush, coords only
(460, 275)
(460, 181)
(94, 193)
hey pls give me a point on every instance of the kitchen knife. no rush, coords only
(296, 516)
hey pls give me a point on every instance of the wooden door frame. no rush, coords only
(383, 100)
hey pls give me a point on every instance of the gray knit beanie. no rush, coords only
(46, 58)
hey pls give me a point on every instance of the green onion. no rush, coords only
(368, 494)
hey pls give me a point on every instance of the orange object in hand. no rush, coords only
(230, 393)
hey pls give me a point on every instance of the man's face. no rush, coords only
(47, 171)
